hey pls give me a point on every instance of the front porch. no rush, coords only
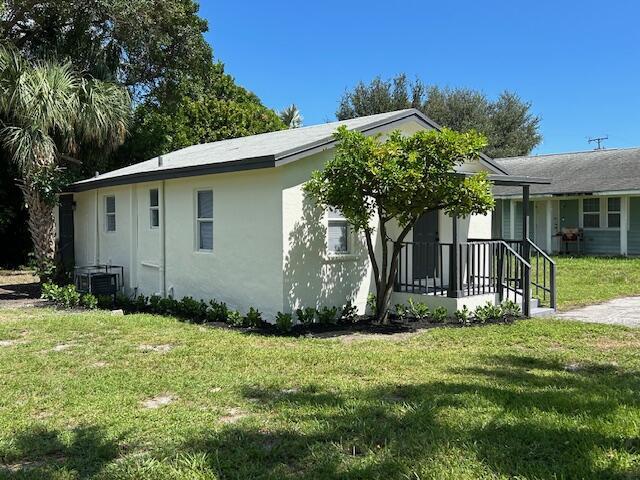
(470, 271)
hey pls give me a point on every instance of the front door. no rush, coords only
(425, 249)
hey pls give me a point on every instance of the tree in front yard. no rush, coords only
(398, 180)
(47, 108)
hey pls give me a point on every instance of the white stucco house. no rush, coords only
(229, 220)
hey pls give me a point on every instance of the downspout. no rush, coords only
(97, 244)
(163, 245)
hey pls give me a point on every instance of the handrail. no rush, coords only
(540, 251)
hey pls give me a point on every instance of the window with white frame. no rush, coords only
(338, 241)
(110, 213)
(591, 213)
(613, 212)
(204, 220)
(154, 208)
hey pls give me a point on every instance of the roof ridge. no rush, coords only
(603, 150)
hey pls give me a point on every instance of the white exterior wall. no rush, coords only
(269, 242)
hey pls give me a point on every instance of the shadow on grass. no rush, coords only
(505, 420)
(516, 416)
(43, 454)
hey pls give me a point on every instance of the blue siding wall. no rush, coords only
(633, 237)
(602, 242)
(506, 218)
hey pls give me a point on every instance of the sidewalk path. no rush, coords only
(622, 311)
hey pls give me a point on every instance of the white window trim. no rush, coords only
(107, 214)
(153, 208)
(203, 219)
(607, 212)
(583, 213)
(349, 251)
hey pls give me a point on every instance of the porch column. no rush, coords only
(624, 222)
(454, 278)
(512, 219)
(526, 252)
(550, 233)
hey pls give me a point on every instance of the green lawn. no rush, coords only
(588, 280)
(538, 399)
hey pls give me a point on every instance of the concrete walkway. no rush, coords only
(622, 311)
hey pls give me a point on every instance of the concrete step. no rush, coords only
(542, 311)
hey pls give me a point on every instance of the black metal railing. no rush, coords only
(421, 267)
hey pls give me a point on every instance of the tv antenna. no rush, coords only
(599, 141)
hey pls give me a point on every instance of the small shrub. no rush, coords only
(253, 318)
(402, 312)
(50, 291)
(349, 312)
(168, 306)
(440, 315)
(488, 312)
(105, 302)
(372, 303)
(418, 310)
(306, 315)
(284, 322)
(124, 302)
(510, 310)
(154, 303)
(189, 308)
(139, 303)
(217, 311)
(69, 296)
(89, 301)
(327, 315)
(463, 315)
(235, 319)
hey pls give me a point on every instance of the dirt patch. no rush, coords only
(215, 390)
(100, 364)
(159, 401)
(164, 348)
(233, 415)
(10, 343)
(573, 367)
(362, 337)
(61, 347)
(604, 343)
(42, 415)
(27, 465)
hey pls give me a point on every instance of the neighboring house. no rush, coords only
(596, 193)
(229, 220)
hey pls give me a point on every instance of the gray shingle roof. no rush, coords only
(256, 151)
(575, 173)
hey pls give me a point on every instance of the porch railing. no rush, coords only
(482, 267)
(543, 272)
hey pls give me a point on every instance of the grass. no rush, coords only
(588, 280)
(537, 399)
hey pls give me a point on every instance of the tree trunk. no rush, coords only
(41, 226)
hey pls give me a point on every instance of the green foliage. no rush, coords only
(205, 111)
(372, 304)
(284, 322)
(349, 312)
(507, 122)
(139, 303)
(142, 43)
(235, 319)
(418, 310)
(87, 300)
(191, 309)
(327, 315)
(217, 311)
(306, 315)
(440, 315)
(154, 303)
(402, 312)
(488, 312)
(253, 318)
(510, 309)
(291, 117)
(63, 296)
(105, 302)
(463, 315)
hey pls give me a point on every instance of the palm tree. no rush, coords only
(291, 116)
(47, 110)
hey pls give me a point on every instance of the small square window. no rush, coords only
(338, 233)
(204, 220)
(110, 213)
(591, 213)
(154, 208)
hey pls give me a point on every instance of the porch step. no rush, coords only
(541, 311)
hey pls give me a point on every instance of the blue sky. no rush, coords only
(577, 62)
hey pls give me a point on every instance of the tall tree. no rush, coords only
(396, 181)
(291, 116)
(199, 110)
(47, 110)
(508, 124)
(139, 43)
